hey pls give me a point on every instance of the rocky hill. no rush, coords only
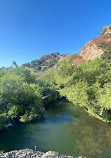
(98, 46)
(44, 63)
(106, 30)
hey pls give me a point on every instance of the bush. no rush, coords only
(104, 30)
(104, 45)
(2, 121)
(106, 55)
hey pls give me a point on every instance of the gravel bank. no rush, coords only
(28, 153)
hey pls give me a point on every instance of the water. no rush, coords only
(67, 129)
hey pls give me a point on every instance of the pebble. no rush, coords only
(28, 153)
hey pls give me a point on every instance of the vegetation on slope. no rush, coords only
(107, 50)
(106, 46)
(103, 31)
(44, 63)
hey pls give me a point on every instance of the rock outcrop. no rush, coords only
(96, 47)
(28, 153)
(106, 30)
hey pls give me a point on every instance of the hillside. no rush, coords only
(98, 46)
(44, 63)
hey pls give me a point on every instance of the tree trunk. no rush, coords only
(101, 112)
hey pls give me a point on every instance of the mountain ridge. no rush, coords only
(44, 63)
(97, 47)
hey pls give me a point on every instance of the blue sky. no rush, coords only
(30, 29)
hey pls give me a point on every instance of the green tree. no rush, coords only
(15, 64)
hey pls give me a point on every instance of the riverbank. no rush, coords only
(6, 120)
(66, 128)
(28, 153)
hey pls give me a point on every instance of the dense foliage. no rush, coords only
(87, 85)
(105, 46)
(22, 93)
(44, 63)
(106, 56)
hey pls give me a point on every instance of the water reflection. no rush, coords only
(91, 137)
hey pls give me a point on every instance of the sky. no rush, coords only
(30, 29)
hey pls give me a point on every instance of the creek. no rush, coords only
(66, 128)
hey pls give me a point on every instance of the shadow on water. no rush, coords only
(66, 128)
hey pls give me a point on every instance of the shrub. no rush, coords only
(2, 120)
(104, 30)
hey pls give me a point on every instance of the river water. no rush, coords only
(66, 128)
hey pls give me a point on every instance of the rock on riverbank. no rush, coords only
(28, 153)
